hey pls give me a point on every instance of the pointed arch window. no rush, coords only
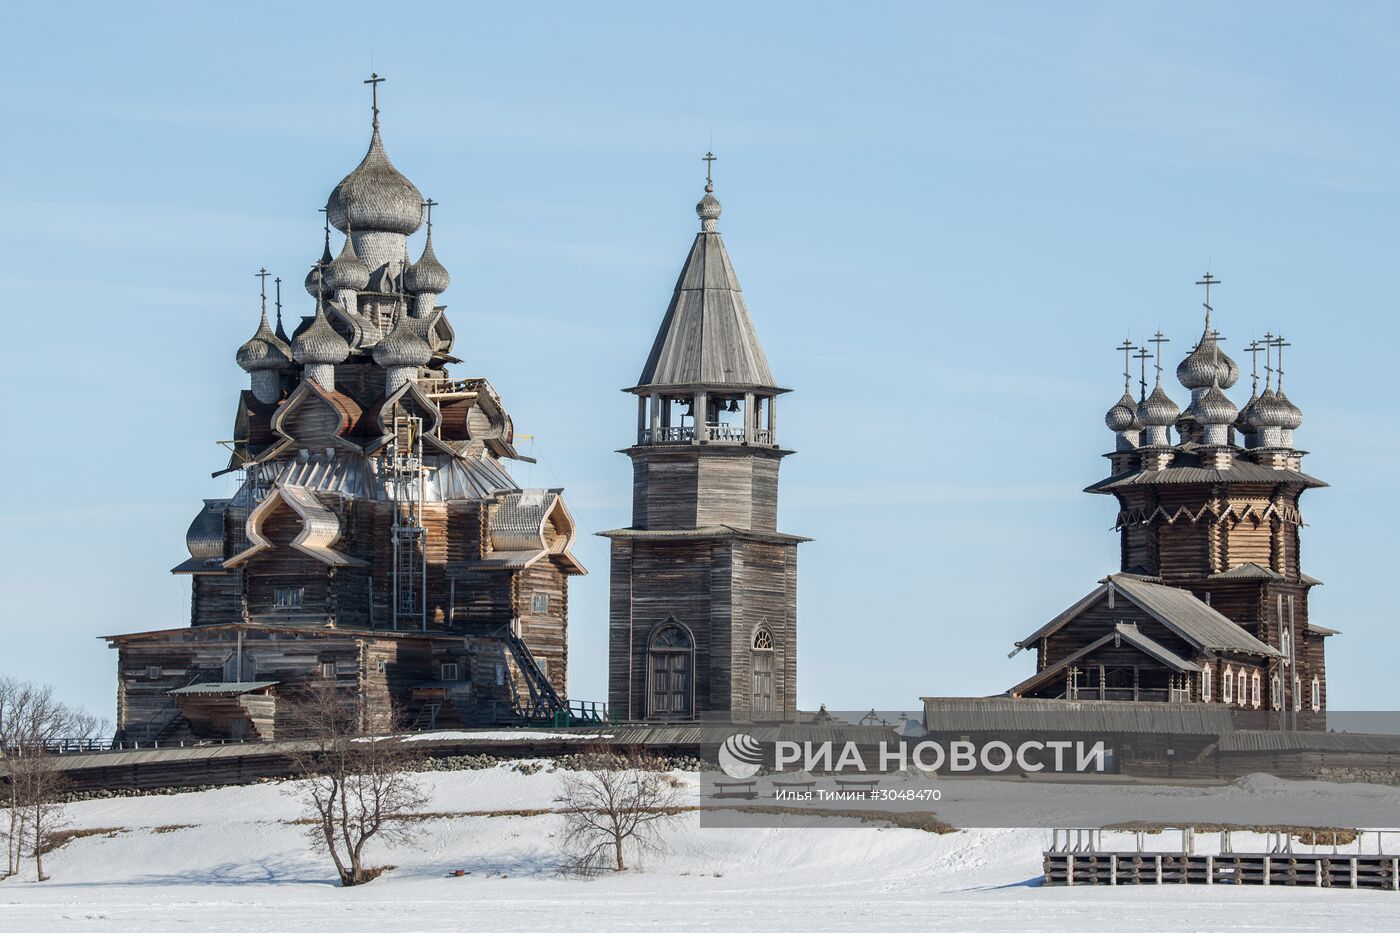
(1256, 683)
(1276, 692)
(1206, 684)
(1227, 686)
(670, 672)
(1316, 694)
(762, 669)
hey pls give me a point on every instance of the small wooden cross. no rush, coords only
(262, 275)
(430, 204)
(374, 81)
(709, 160)
(1158, 339)
(1127, 347)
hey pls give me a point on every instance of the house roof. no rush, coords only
(222, 689)
(1177, 609)
(1122, 632)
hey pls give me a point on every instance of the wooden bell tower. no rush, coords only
(703, 610)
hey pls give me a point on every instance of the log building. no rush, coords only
(703, 609)
(377, 539)
(1210, 603)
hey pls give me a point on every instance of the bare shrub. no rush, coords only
(615, 805)
(353, 789)
(32, 721)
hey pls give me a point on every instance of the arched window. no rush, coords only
(762, 665)
(1227, 686)
(670, 669)
(1297, 693)
(1205, 684)
(1275, 692)
(1256, 683)
(1283, 642)
(1316, 694)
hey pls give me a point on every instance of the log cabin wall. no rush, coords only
(544, 628)
(765, 592)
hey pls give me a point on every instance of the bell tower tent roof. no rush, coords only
(707, 339)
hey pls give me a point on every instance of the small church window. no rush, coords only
(153, 673)
(1297, 693)
(1256, 688)
(1206, 684)
(328, 669)
(500, 675)
(1316, 694)
(669, 668)
(1227, 685)
(381, 666)
(288, 597)
(449, 671)
(1275, 695)
(762, 663)
(1283, 642)
(539, 603)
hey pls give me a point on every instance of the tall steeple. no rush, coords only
(719, 640)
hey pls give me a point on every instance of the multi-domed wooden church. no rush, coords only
(1210, 604)
(377, 538)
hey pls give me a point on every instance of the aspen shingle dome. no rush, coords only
(427, 275)
(1268, 412)
(319, 343)
(1295, 414)
(1123, 415)
(1214, 407)
(347, 270)
(323, 266)
(375, 196)
(264, 350)
(1158, 410)
(1207, 365)
(403, 345)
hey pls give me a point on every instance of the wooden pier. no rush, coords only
(1079, 862)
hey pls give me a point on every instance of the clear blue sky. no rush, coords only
(944, 217)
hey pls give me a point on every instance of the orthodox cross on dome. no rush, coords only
(1142, 356)
(1280, 343)
(1127, 347)
(1158, 339)
(1208, 280)
(374, 81)
(709, 159)
(429, 205)
(262, 275)
(278, 283)
(1254, 348)
(1268, 361)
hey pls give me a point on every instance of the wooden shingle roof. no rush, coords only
(707, 337)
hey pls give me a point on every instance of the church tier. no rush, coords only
(1210, 602)
(376, 539)
(703, 612)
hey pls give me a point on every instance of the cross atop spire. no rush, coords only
(1142, 356)
(1254, 348)
(1127, 347)
(262, 275)
(709, 159)
(1280, 342)
(429, 205)
(374, 81)
(1268, 361)
(1158, 339)
(1208, 280)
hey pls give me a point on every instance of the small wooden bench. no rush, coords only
(742, 789)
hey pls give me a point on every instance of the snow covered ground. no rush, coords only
(229, 860)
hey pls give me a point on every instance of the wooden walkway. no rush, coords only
(1078, 863)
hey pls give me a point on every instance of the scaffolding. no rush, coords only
(407, 490)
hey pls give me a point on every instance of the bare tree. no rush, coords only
(614, 803)
(354, 789)
(32, 724)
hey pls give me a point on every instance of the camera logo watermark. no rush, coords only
(740, 756)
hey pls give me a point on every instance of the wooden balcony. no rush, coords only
(708, 434)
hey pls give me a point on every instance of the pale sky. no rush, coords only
(944, 217)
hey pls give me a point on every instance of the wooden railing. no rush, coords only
(710, 433)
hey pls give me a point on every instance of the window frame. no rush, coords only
(449, 667)
(535, 600)
(1227, 685)
(1256, 690)
(1316, 694)
(1206, 683)
(328, 671)
(153, 672)
(296, 598)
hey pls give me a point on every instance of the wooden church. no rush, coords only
(703, 607)
(1210, 604)
(377, 539)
